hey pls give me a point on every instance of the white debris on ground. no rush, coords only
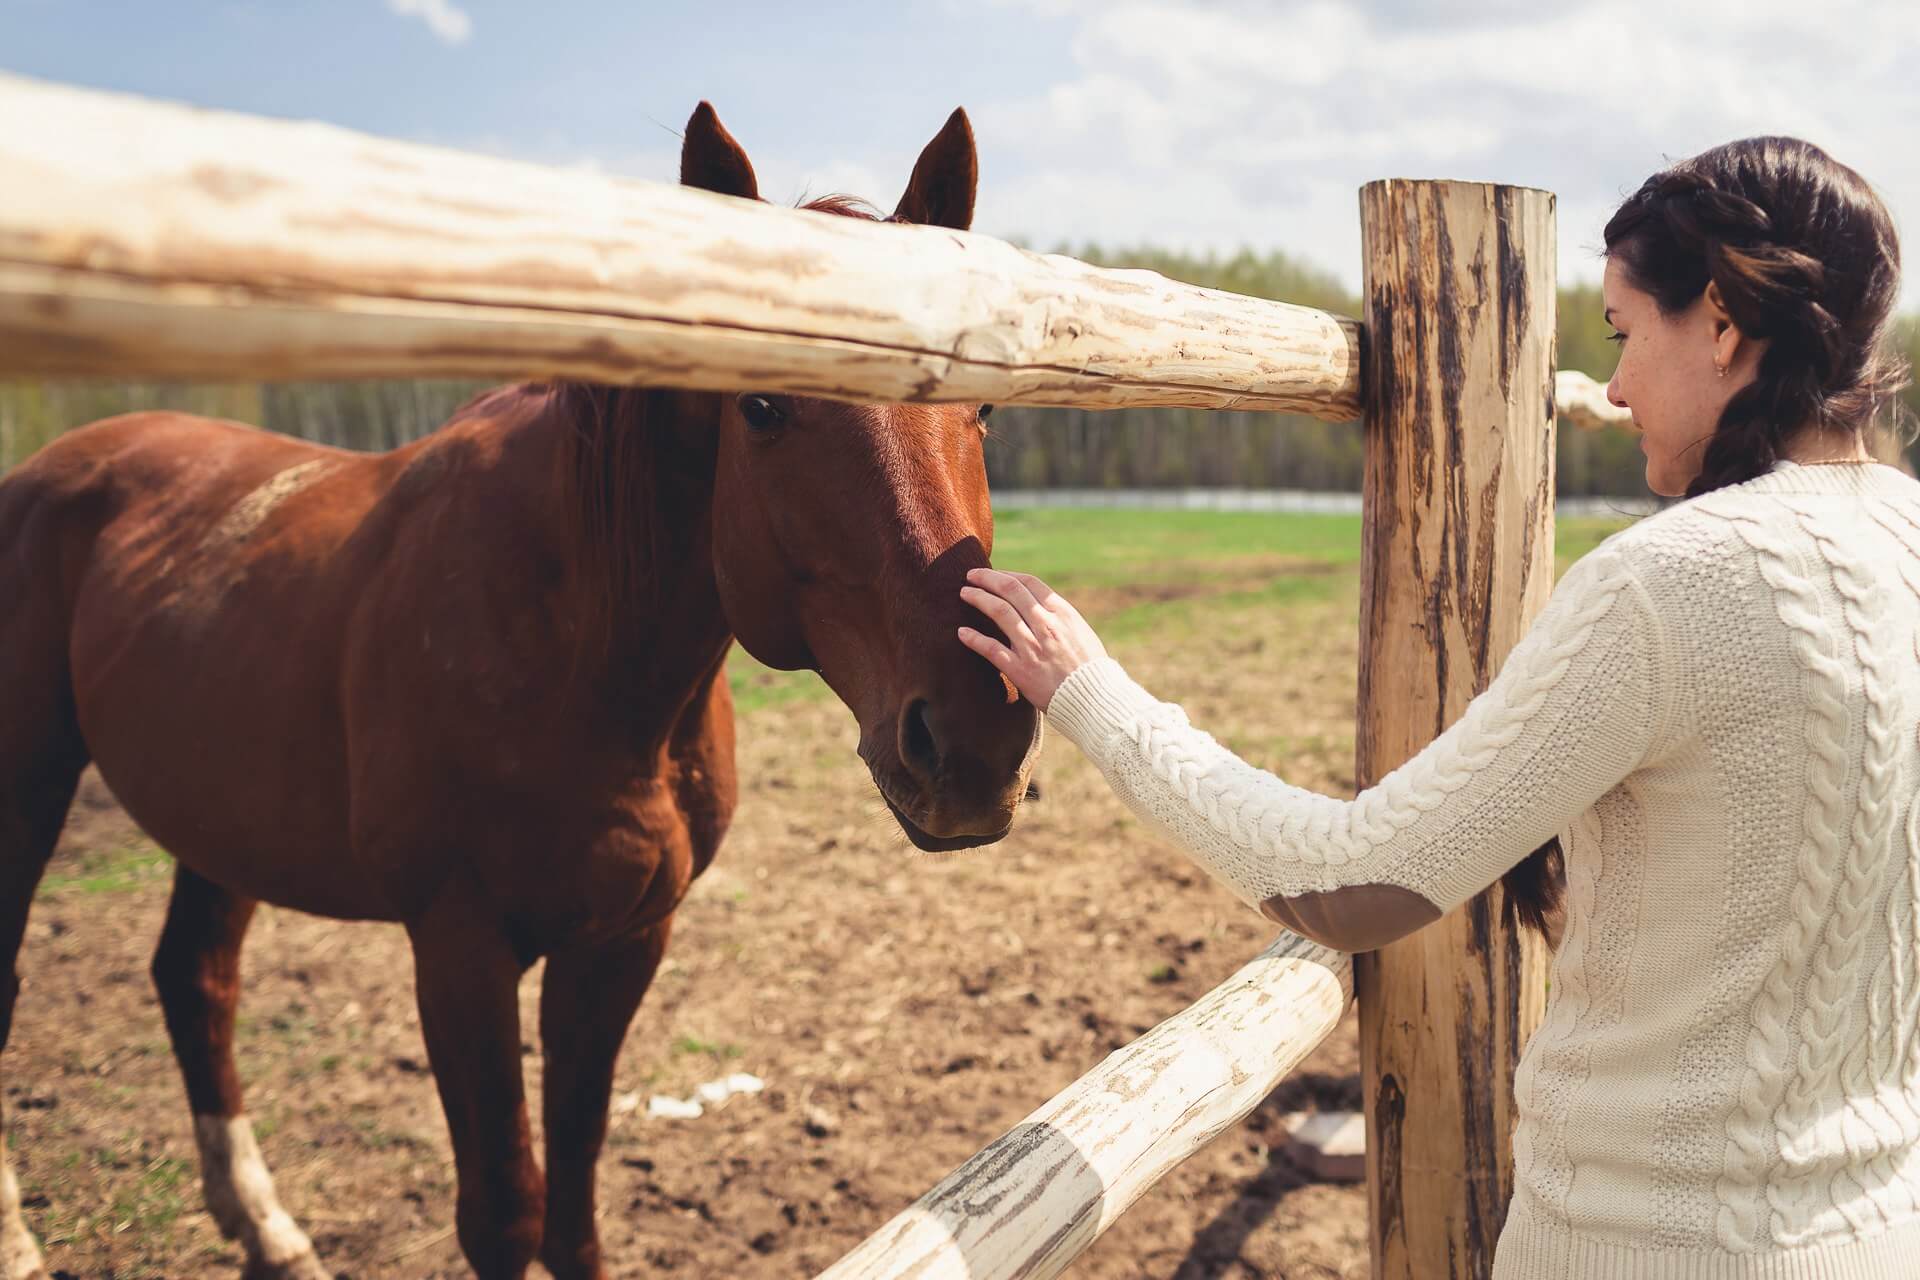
(1330, 1146)
(711, 1094)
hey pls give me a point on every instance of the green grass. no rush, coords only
(108, 869)
(1236, 560)
(695, 1045)
(159, 1197)
(146, 1208)
(1089, 547)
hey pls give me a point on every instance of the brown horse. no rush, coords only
(476, 686)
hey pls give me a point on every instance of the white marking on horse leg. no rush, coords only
(241, 1199)
(19, 1251)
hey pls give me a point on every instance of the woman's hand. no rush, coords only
(1050, 638)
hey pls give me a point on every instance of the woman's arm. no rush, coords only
(1578, 705)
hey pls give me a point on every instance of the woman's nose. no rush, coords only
(1614, 397)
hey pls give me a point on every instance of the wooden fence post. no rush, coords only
(1458, 557)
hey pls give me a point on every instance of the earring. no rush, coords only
(1720, 370)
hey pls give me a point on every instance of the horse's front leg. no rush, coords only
(468, 977)
(587, 1001)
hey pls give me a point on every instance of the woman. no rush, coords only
(1717, 712)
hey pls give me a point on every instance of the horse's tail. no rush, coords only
(42, 750)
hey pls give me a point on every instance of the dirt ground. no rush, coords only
(902, 1011)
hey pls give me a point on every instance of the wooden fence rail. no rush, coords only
(148, 240)
(1033, 1200)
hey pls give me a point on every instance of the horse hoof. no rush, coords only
(302, 1266)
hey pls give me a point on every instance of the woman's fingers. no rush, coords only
(1049, 598)
(1041, 592)
(1047, 639)
(1010, 588)
(987, 647)
(1011, 623)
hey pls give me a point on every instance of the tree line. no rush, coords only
(1027, 448)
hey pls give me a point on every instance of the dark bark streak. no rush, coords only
(1514, 289)
(1480, 590)
(1389, 1119)
(1378, 340)
(1479, 1135)
(1454, 323)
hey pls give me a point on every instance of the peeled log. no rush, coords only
(1456, 559)
(1583, 402)
(1035, 1198)
(140, 239)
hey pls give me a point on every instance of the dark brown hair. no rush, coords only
(1805, 256)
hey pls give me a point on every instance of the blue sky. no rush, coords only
(1192, 124)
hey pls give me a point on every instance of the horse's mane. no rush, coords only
(610, 478)
(849, 207)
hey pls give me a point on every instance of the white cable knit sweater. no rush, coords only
(1719, 712)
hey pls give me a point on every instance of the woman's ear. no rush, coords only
(1717, 303)
(1728, 341)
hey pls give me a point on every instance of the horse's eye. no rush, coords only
(761, 413)
(986, 411)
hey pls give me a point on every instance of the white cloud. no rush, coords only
(1213, 123)
(448, 21)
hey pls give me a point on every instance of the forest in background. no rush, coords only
(1029, 448)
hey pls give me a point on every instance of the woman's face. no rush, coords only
(1667, 374)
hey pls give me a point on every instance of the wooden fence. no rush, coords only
(139, 239)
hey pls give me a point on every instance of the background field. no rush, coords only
(902, 1010)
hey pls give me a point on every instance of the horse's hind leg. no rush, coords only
(197, 971)
(587, 1000)
(41, 757)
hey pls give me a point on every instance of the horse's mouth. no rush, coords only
(928, 843)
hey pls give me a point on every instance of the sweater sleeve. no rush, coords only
(1578, 705)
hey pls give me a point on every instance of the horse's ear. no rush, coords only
(711, 160)
(941, 191)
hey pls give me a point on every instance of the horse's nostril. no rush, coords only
(917, 745)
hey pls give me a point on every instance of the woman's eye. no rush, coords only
(760, 413)
(1616, 338)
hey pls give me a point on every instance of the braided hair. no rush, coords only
(1805, 256)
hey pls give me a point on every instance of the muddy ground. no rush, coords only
(903, 1012)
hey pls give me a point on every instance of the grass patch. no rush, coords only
(109, 869)
(1079, 547)
(755, 686)
(695, 1045)
(156, 1200)
(146, 1209)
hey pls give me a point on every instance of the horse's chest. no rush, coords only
(638, 865)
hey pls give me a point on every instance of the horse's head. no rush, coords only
(842, 535)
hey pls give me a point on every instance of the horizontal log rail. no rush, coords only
(1032, 1201)
(1583, 402)
(142, 239)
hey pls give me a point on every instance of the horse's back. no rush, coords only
(134, 469)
